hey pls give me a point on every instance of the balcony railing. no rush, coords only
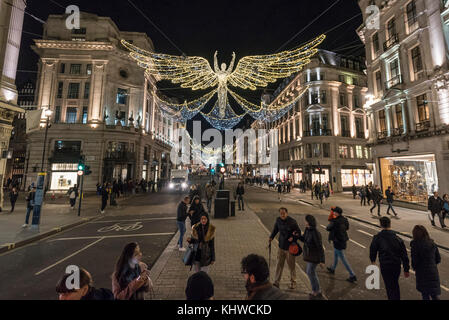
(423, 126)
(360, 135)
(393, 81)
(382, 135)
(345, 133)
(317, 133)
(394, 39)
(397, 131)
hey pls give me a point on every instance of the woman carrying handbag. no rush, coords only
(203, 235)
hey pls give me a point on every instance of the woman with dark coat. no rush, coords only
(425, 257)
(131, 278)
(196, 210)
(313, 255)
(203, 234)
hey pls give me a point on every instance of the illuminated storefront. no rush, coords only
(412, 178)
(63, 176)
(297, 176)
(324, 176)
(358, 177)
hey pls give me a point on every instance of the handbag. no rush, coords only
(295, 249)
(190, 254)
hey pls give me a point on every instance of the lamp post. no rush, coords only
(48, 114)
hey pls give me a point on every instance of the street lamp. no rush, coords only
(47, 114)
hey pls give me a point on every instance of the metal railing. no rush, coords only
(382, 135)
(422, 126)
(317, 133)
(345, 133)
(394, 39)
(393, 81)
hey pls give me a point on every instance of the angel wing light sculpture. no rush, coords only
(252, 72)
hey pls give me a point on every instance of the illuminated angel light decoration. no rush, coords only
(252, 72)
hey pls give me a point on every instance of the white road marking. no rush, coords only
(133, 220)
(305, 203)
(355, 242)
(116, 236)
(68, 257)
(364, 232)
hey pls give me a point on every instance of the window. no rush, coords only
(62, 68)
(376, 45)
(308, 150)
(359, 152)
(356, 101)
(359, 127)
(391, 27)
(378, 81)
(423, 108)
(344, 123)
(84, 115)
(417, 62)
(123, 118)
(79, 31)
(313, 76)
(355, 81)
(322, 77)
(351, 151)
(382, 121)
(122, 95)
(324, 121)
(75, 69)
(342, 99)
(89, 69)
(60, 90)
(307, 123)
(86, 90)
(314, 97)
(326, 150)
(412, 18)
(394, 69)
(57, 114)
(70, 115)
(316, 150)
(399, 119)
(341, 78)
(343, 151)
(323, 97)
(74, 89)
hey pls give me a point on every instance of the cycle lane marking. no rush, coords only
(116, 236)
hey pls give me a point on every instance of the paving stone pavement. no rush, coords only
(235, 238)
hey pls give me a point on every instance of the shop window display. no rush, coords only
(359, 177)
(412, 178)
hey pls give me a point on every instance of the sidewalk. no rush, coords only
(56, 216)
(235, 238)
(352, 209)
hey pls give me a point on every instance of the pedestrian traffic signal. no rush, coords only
(80, 166)
(212, 171)
(87, 170)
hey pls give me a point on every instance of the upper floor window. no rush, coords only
(344, 124)
(84, 115)
(62, 68)
(423, 108)
(323, 97)
(343, 151)
(356, 101)
(75, 69)
(399, 119)
(57, 114)
(79, 31)
(71, 115)
(382, 121)
(89, 69)
(74, 90)
(412, 18)
(86, 90)
(378, 76)
(122, 95)
(417, 63)
(341, 78)
(313, 76)
(342, 99)
(60, 90)
(391, 27)
(376, 45)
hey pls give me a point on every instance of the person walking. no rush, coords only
(435, 206)
(313, 255)
(210, 194)
(425, 258)
(289, 232)
(354, 191)
(279, 186)
(368, 194)
(392, 253)
(390, 194)
(104, 197)
(317, 189)
(363, 196)
(13, 195)
(338, 228)
(257, 276)
(73, 195)
(196, 210)
(30, 204)
(240, 191)
(181, 220)
(377, 197)
(203, 234)
(312, 190)
(131, 277)
(445, 210)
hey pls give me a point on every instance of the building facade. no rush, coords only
(11, 22)
(408, 106)
(327, 127)
(102, 107)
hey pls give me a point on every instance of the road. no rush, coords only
(31, 272)
(266, 204)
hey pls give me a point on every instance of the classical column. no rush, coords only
(47, 80)
(335, 113)
(404, 117)
(388, 119)
(98, 85)
(411, 115)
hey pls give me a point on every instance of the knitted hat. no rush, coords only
(199, 287)
(338, 210)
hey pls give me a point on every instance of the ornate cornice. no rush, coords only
(71, 45)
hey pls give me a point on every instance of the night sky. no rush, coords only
(248, 27)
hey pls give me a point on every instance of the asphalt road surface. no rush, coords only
(266, 204)
(31, 272)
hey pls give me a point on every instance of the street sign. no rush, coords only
(222, 169)
(80, 172)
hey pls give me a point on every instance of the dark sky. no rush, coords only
(200, 27)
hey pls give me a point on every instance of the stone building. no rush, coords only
(11, 22)
(327, 127)
(102, 107)
(408, 109)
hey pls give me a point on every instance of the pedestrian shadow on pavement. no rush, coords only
(341, 294)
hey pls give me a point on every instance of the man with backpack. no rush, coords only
(337, 228)
(392, 254)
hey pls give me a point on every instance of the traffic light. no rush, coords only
(212, 171)
(87, 170)
(80, 166)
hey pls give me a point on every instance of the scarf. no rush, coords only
(253, 288)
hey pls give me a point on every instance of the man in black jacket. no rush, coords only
(181, 220)
(392, 254)
(289, 231)
(377, 197)
(239, 192)
(338, 235)
(390, 200)
(256, 272)
(435, 206)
